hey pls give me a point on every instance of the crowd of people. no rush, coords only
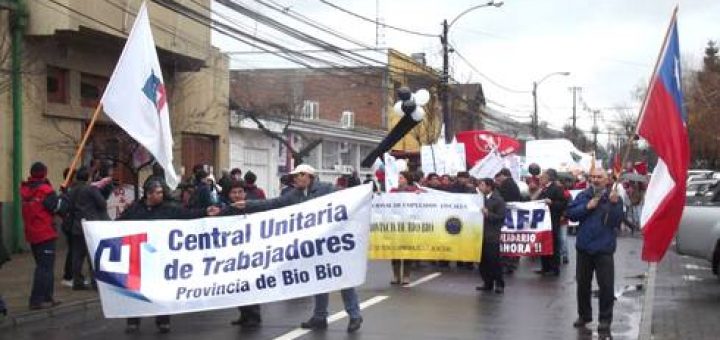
(237, 193)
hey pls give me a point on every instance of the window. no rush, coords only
(330, 154)
(347, 120)
(91, 89)
(364, 151)
(310, 110)
(57, 89)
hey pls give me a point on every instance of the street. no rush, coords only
(441, 305)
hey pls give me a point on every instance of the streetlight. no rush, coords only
(445, 76)
(535, 121)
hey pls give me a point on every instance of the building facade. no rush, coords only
(69, 50)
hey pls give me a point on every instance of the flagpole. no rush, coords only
(79, 151)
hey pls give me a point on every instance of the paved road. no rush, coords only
(443, 306)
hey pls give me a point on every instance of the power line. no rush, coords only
(304, 19)
(377, 22)
(490, 80)
(83, 15)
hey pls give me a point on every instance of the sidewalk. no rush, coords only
(687, 299)
(16, 282)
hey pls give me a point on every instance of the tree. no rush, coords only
(703, 104)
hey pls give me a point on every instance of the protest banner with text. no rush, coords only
(175, 266)
(527, 230)
(426, 226)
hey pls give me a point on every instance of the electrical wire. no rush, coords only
(490, 80)
(378, 23)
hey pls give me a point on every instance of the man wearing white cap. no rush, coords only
(306, 187)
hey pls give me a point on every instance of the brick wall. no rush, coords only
(278, 91)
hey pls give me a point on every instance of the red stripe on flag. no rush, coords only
(662, 126)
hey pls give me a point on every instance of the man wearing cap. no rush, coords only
(307, 187)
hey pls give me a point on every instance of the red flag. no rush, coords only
(663, 124)
(617, 164)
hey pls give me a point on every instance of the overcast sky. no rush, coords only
(609, 46)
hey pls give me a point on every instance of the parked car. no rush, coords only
(697, 174)
(701, 187)
(699, 232)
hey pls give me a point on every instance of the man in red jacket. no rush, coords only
(39, 203)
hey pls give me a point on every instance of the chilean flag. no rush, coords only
(663, 124)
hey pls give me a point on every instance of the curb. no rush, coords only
(33, 316)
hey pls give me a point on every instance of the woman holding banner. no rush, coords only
(406, 183)
(154, 205)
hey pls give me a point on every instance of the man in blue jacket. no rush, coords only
(599, 213)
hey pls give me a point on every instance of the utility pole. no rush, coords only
(535, 111)
(575, 90)
(19, 22)
(595, 130)
(445, 86)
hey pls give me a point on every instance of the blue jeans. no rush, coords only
(563, 240)
(43, 280)
(350, 300)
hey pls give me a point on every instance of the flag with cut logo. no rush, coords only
(135, 97)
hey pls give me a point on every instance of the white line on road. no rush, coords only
(298, 332)
(695, 267)
(423, 279)
(692, 278)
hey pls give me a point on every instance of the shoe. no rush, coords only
(44, 305)
(484, 288)
(163, 328)
(80, 287)
(541, 272)
(354, 324)
(314, 323)
(565, 260)
(603, 327)
(251, 323)
(132, 328)
(395, 282)
(499, 289)
(66, 283)
(580, 323)
(406, 281)
(239, 322)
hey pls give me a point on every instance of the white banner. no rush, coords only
(527, 230)
(174, 266)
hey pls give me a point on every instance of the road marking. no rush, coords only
(692, 278)
(298, 332)
(423, 279)
(695, 267)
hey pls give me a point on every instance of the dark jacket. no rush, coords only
(167, 210)
(203, 196)
(510, 191)
(597, 230)
(558, 202)
(294, 196)
(86, 202)
(493, 222)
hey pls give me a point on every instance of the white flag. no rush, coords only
(135, 96)
(488, 167)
